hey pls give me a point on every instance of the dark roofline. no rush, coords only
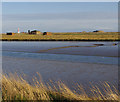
(35, 30)
(9, 32)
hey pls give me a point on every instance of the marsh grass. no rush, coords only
(15, 87)
(69, 36)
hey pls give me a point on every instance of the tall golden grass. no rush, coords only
(15, 87)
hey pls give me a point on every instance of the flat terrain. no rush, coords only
(69, 72)
(69, 36)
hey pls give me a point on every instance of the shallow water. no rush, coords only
(64, 57)
(86, 52)
(83, 64)
(37, 46)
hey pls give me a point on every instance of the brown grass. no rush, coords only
(16, 88)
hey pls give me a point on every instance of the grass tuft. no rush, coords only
(14, 87)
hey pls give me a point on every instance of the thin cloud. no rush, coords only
(70, 15)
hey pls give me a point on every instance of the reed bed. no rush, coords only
(15, 88)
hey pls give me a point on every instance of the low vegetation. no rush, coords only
(69, 36)
(17, 88)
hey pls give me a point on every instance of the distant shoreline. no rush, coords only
(68, 36)
(54, 40)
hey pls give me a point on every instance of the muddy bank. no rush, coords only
(94, 50)
(59, 40)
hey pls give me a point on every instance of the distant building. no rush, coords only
(10, 33)
(98, 31)
(34, 32)
(47, 33)
(29, 32)
(23, 32)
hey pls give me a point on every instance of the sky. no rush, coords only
(60, 0)
(59, 16)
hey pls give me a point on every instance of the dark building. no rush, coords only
(34, 32)
(10, 33)
(98, 31)
(47, 33)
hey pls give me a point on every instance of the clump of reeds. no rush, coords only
(17, 88)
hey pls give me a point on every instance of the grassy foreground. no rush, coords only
(75, 36)
(16, 88)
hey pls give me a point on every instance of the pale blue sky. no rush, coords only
(60, 17)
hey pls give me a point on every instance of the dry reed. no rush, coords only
(15, 87)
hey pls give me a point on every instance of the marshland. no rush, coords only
(65, 36)
(74, 58)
